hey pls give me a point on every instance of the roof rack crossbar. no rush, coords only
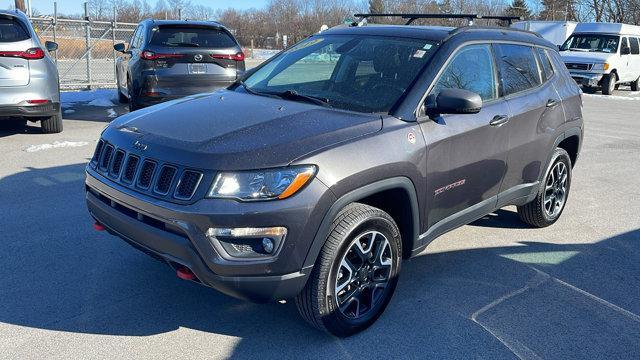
(413, 17)
(507, 18)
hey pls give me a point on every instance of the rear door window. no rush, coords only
(546, 69)
(190, 36)
(471, 69)
(518, 68)
(635, 47)
(11, 31)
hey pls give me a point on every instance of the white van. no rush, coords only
(554, 31)
(603, 55)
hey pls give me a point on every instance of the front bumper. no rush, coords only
(30, 111)
(587, 79)
(175, 234)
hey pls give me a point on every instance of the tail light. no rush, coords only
(150, 55)
(237, 57)
(31, 54)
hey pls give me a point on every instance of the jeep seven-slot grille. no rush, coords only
(146, 175)
(116, 164)
(188, 184)
(167, 173)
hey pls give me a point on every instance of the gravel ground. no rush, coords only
(493, 289)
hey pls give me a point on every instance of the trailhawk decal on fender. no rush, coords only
(449, 187)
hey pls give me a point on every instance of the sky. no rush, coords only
(76, 6)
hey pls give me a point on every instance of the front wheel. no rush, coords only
(552, 195)
(609, 84)
(356, 273)
(635, 85)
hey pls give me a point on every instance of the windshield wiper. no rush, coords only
(294, 95)
(254, 92)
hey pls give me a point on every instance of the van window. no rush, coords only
(591, 43)
(471, 69)
(11, 31)
(518, 68)
(545, 63)
(624, 44)
(635, 47)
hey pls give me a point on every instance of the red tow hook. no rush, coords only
(185, 273)
(98, 227)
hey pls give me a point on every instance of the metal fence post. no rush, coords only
(114, 24)
(55, 24)
(88, 42)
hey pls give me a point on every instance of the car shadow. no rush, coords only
(502, 218)
(550, 300)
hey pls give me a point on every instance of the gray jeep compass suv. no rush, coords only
(315, 176)
(28, 76)
(169, 59)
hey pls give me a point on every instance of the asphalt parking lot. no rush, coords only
(493, 289)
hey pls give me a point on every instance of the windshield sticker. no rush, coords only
(427, 46)
(419, 53)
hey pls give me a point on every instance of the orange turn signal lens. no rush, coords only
(300, 181)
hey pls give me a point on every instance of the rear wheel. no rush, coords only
(52, 125)
(356, 272)
(133, 106)
(552, 195)
(609, 84)
(635, 85)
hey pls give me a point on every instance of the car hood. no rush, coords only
(584, 57)
(227, 130)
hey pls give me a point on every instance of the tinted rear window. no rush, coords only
(184, 36)
(12, 31)
(518, 68)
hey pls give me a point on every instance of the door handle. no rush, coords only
(551, 103)
(499, 120)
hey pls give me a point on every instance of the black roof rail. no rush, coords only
(412, 17)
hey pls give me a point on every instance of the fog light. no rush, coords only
(247, 242)
(267, 245)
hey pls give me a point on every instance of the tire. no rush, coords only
(121, 97)
(133, 106)
(52, 125)
(635, 85)
(372, 229)
(546, 208)
(609, 84)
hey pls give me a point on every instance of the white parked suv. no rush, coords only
(603, 55)
(29, 87)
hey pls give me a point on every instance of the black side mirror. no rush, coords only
(452, 101)
(625, 51)
(50, 46)
(120, 47)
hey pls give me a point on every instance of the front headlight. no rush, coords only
(600, 67)
(261, 184)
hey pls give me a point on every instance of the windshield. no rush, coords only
(191, 36)
(591, 43)
(350, 72)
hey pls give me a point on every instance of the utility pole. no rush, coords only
(20, 6)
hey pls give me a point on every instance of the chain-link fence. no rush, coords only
(85, 56)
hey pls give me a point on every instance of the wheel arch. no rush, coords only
(395, 196)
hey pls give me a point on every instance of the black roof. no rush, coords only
(154, 22)
(443, 33)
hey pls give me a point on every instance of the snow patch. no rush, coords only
(55, 145)
(615, 97)
(112, 113)
(102, 97)
(69, 111)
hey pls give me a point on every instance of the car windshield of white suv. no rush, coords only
(591, 43)
(351, 72)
